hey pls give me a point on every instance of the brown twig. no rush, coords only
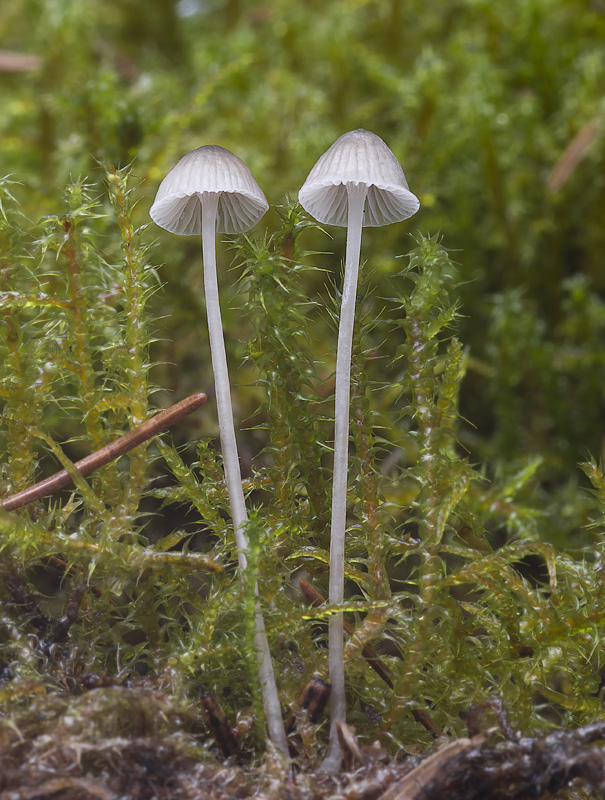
(148, 429)
(574, 153)
(316, 599)
(436, 767)
(11, 61)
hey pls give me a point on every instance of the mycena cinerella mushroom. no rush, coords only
(357, 183)
(211, 190)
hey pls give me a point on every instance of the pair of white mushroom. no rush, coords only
(357, 183)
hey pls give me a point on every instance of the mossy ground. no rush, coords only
(476, 494)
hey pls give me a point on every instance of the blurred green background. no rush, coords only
(495, 110)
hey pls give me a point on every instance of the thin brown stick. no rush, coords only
(148, 429)
(11, 61)
(574, 153)
(316, 599)
(435, 768)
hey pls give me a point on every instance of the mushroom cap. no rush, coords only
(358, 157)
(178, 204)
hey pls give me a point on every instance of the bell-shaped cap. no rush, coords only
(178, 204)
(358, 157)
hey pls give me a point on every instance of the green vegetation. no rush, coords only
(476, 495)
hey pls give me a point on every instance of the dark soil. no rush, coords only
(56, 750)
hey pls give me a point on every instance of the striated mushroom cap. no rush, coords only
(358, 157)
(178, 204)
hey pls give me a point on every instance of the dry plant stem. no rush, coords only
(437, 766)
(316, 599)
(233, 475)
(148, 429)
(357, 197)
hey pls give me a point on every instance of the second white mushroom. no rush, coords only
(357, 183)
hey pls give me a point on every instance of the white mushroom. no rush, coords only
(211, 190)
(357, 182)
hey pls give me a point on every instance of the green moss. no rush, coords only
(443, 564)
(474, 540)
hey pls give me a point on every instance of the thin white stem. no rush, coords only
(357, 198)
(222, 386)
(233, 476)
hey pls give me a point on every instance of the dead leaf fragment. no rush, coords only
(413, 786)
